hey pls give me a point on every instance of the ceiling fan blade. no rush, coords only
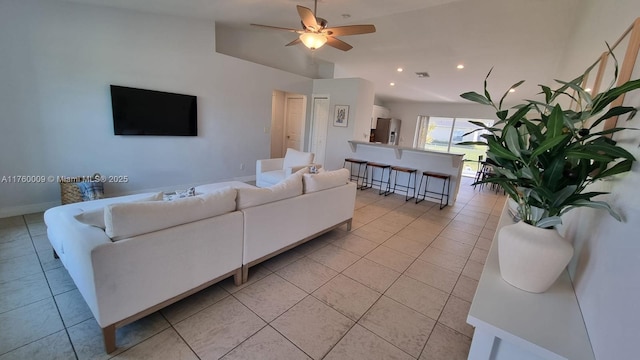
(338, 44)
(350, 30)
(294, 42)
(276, 28)
(308, 19)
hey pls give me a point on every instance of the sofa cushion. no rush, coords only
(95, 217)
(273, 177)
(126, 220)
(325, 180)
(290, 187)
(296, 158)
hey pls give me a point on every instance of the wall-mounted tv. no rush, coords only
(150, 112)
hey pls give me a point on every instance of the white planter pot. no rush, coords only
(532, 258)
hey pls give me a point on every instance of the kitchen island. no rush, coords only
(423, 160)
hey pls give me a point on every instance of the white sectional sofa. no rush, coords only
(324, 201)
(130, 256)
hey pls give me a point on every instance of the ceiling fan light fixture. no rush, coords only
(313, 40)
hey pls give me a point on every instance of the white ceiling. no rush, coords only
(520, 39)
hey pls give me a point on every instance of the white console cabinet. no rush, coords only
(514, 324)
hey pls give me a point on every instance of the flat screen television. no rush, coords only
(150, 112)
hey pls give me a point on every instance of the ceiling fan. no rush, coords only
(315, 32)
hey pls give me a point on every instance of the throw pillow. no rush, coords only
(325, 180)
(254, 196)
(127, 220)
(295, 158)
(91, 190)
(95, 217)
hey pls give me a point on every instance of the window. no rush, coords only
(443, 133)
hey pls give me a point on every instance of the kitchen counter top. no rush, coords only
(399, 149)
(419, 159)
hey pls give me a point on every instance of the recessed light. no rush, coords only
(587, 90)
(400, 69)
(392, 84)
(460, 66)
(512, 90)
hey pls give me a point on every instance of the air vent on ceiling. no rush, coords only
(423, 74)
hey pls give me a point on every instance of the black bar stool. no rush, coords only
(371, 181)
(408, 187)
(357, 177)
(446, 185)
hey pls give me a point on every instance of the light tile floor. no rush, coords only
(398, 286)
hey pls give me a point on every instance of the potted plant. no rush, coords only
(544, 156)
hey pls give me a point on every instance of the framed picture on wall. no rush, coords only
(341, 116)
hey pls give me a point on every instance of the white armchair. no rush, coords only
(272, 171)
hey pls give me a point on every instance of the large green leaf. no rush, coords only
(547, 93)
(589, 155)
(475, 97)
(518, 115)
(562, 195)
(582, 94)
(602, 100)
(610, 150)
(553, 174)
(486, 93)
(615, 111)
(549, 222)
(555, 123)
(563, 89)
(512, 139)
(479, 124)
(621, 167)
(596, 205)
(472, 143)
(508, 91)
(498, 150)
(548, 144)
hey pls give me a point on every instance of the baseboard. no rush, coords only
(27, 209)
(39, 207)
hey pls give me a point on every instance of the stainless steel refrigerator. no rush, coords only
(387, 131)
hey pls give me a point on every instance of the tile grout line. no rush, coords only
(53, 297)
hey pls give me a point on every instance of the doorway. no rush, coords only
(295, 106)
(288, 112)
(319, 124)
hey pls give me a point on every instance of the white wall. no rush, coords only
(607, 261)
(408, 112)
(57, 62)
(358, 94)
(277, 124)
(599, 22)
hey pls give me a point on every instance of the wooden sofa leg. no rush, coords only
(109, 335)
(245, 273)
(237, 277)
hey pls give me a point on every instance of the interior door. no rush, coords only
(320, 122)
(294, 122)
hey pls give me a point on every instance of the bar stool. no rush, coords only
(408, 187)
(381, 182)
(357, 177)
(446, 180)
